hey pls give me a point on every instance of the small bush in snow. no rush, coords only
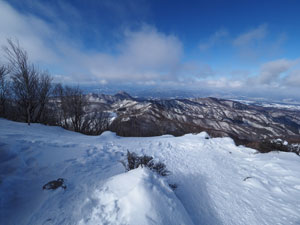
(173, 186)
(60, 182)
(133, 161)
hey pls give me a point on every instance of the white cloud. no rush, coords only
(293, 79)
(223, 83)
(30, 31)
(144, 54)
(214, 39)
(270, 72)
(276, 79)
(251, 36)
(150, 48)
(258, 45)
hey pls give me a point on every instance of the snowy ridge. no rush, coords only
(219, 117)
(218, 182)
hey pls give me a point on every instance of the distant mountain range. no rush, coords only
(171, 92)
(219, 117)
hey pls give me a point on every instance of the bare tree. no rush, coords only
(61, 105)
(74, 111)
(4, 89)
(30, 87)
(72, 104)
(95, 123)
(101, 122)
(31, 90)
(44, 90)
(76, 103)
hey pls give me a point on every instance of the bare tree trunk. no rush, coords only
(4, 89)
(28, 115)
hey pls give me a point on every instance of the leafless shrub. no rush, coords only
(173, 186)
(133, 161)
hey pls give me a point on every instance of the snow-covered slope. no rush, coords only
(218, 183)
(219, 117)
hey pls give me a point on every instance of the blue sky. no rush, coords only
(244, 47)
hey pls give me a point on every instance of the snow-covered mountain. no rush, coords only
(218, 117)
(218, 182)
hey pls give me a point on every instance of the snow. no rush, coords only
(218, 182)
(143, 198)
(112, 116)
(282, 105)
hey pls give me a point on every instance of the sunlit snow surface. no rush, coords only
(218, 183)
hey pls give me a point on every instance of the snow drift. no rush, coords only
(218, 182)
(137, 197)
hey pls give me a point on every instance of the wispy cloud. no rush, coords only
(32, 32)
(214, 39)
(271, 71)
(251, 36)
(293, 79)
(256, 45)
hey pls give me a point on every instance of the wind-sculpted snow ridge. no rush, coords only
(218, 182)
(137, 197)
(219, 117)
